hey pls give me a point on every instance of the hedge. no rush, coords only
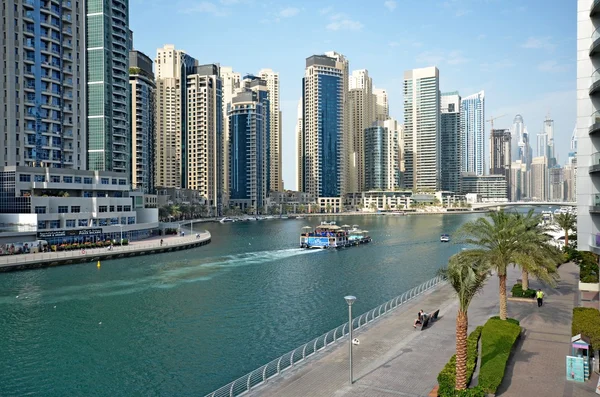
(586, 320)
(447, 377)
(497, 340)
(588, 265)
(517, 292)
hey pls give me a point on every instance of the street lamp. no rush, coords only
(121, 226)
(350, 300)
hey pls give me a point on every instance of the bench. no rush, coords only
(427, 318)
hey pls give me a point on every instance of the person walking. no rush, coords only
(540, 297)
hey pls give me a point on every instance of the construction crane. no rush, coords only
(492, 118)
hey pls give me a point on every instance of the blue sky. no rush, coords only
(521, 53)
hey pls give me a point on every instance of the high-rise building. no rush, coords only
(422, 129)
(539, 178)
(108, 108)
(300, 146)
(275, 181)
(450, 142)
(519, 182)
(362, 116)
(231, 85)
(556, 183)
(143, 112)
(42, 78)
(570, 176)
(249, 130)
(472, 115)
(542, 145)
(500, 155)
(204, 138)
(324, 89)
(549, 131)
(518, 139)
(382, 107)
(172, 69)
(382, 154)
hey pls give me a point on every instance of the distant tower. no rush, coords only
(472, 116)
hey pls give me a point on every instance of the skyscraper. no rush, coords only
(450, 142)
(300, 146)
(518, 139)
(472, 116)
(362, 109)
(108, 107)
(231, 85)
(275, 182)
(143, 112)
(549, 131)
(500, 155)
(42, 77)
(382, 153)
(382, 107)
(323, 151)
(422, 128)
(542, 145)
(172, 68)
(248, 129)
(539, 178)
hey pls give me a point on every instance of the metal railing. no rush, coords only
(288, 360)
(7, 260)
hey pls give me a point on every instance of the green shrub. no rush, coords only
(586, 320)
(125, 241)
(517, 292)
(447, 377)
(497, 340)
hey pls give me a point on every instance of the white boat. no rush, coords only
(329, 235)
(225, 220)
(444, 238)
(299, 217)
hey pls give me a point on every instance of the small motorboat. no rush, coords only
(444, 238)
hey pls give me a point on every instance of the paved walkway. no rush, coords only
(393, 359)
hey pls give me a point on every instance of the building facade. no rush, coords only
(519, 181)
(556, 183)
(275, 181)
(488, 188)
(323, 139)
(382, 106)
(382, 153)
(300, 145)
(108, 99)
(450, 142)
(143, 112)
(500, 155)
(472, 115)
(43, 77)
(422, 129)
(231, 85)
(539, 179)
(362, 116)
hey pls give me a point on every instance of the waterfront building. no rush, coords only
(362, 115)
(487, 188)
(172, 69)
(472, 114)
(290, 201)
(421, 129)
(299, 146)
(519, 181)
(379, 200)
(42, 80)
(204, 137)
(231, 85)
(108, 41)
(500, 155)
(71, 205)
(323, 129)
(143, 112)
(176, 196)
(275, 181)
(539, 178)
(556, 183)
(450, 141)
(382, 107)
(382, 156)
(249, 146)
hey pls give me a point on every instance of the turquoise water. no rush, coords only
(186, 323)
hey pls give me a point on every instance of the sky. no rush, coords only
(521, 53)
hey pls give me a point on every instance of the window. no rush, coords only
(77, 179)
(39, 178)
(54, 224)
(63, 209)
(41, 225)
(104, 181)
(24, 178)
(54, 178)
(40, 210)
(114, 181)
(122, 182)
(88, 194)
(102, 208)
(87, 180)
(127, 208)
(75, 209)
(70, 223)
(112, 208)
(119, 208)
(123, 220)
(131, 220)
(83, 222)
(67, 179)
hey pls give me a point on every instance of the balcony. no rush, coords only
(595, 8)
(595, 82)
(595, 47)
(595, 165)
(594, 123)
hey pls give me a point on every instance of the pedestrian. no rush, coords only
(540, 297)
(161, 242)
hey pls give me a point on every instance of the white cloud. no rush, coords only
(552, 66)
(326, 10)
(342, 22)
(289, 12)
(203, 7)
(390, 5)
(539, 43)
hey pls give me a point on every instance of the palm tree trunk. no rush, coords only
(566, 238)
(502, 282)
(525, 277)
(462, 323)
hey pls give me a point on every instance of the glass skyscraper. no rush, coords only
(382, 156)
(450, 139)
(108, 123)
(472, 116)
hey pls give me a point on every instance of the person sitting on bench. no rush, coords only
(419, 319)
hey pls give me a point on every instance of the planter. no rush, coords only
(595, 287)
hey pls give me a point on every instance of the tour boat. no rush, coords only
(329, 235)
(224, 220)
(444, 238)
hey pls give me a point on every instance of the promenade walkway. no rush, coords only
(394, 359)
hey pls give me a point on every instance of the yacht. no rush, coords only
(444, 238)
(225, 220)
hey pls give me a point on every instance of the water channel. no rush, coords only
(188, 322)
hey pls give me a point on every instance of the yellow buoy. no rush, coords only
(98, 265)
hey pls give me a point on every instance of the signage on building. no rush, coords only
(69, 233)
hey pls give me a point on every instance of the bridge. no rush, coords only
(479, 206)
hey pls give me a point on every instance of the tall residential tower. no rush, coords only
(450, 142)
(275, 181)
(472, 116)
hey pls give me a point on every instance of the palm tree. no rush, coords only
(184, 210)
(373, 206)
(163, 212)
(328, 208)
(301, 209)
(567, 222)
(174, 211)
(467, 278)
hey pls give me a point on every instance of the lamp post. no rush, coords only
(121, 227)
(350, 300)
